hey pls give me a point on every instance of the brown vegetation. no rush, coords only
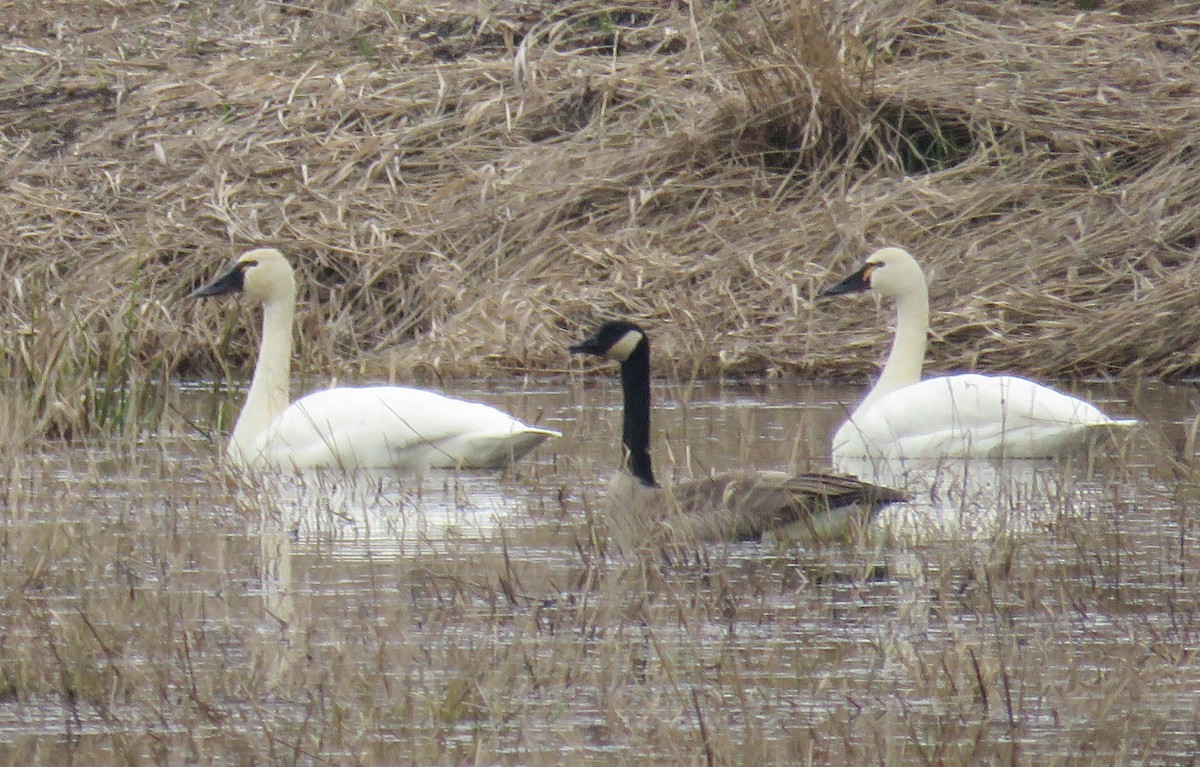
(463, 186)
(467, 185)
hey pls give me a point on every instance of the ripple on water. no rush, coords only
(1051, 607)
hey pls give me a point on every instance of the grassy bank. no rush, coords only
(464, 187)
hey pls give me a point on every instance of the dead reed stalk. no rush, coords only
(463, 189)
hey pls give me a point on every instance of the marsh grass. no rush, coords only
(157, 608)
(463, 191)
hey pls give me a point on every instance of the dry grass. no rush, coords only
(463, 186)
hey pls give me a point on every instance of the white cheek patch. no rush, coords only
(621, 350)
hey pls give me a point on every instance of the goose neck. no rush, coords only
(635, 386)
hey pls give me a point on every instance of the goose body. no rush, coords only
(953, 416)
(741, 505)
(372, 427)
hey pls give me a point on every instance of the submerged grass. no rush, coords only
(156, 609)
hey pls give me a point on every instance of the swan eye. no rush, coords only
(244, 265)
(868, 270)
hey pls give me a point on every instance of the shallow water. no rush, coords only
(1040, 609)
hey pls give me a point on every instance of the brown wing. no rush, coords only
(744, 506)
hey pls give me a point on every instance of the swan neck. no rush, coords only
(269, 389)
(635, 434)
(904, 362)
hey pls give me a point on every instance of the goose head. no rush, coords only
(891, 272)
(616, 340)
(263, 274)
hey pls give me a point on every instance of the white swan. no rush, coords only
(955, 416)
(373, 427)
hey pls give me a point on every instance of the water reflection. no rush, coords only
(963, 498)
(365, 517)
(387, 596)
(700, 428)
(389, 514)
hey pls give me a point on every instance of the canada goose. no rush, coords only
(955, 416)
(736, 506)
(351, 427)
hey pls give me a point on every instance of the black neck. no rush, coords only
(635, 383)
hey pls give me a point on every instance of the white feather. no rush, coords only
(390, 426)
(971, 416)
(955, 416)
(375, 427)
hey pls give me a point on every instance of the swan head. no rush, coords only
(889, 272)
(615, 340)
(263, 274)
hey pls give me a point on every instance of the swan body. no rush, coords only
(970, 416)
(741, 505)
(954, 416)
(372, 427)
(390, 426)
